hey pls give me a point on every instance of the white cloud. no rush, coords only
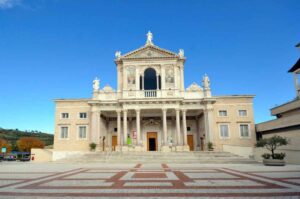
(9, 3)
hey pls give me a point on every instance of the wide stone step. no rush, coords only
(159, 157)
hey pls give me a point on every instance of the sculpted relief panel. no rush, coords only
(131, 77)
(169, 77)
(149, 53)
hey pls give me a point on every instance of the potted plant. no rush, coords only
(210, 146)
(93, 146)
(271, 144)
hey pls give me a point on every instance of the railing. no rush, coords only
(150, 93)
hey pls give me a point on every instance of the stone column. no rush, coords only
(138, 126)
(143, 83)
(164, 111)
(124, 127)
(119, 127)
(198, 132)
(184, 127)
(178, 126)
(99, 135)
(208, 119)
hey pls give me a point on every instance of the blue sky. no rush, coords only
(55, 48)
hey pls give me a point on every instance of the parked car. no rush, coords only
(10, 157)
(25, 158)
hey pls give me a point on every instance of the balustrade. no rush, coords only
(150, 93)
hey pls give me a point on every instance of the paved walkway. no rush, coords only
(34, 180)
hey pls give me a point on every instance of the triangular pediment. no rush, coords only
(150, 51)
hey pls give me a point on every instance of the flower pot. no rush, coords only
(273, 162)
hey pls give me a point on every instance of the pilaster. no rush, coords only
(178, 126)
(164, 112)
(119, 127)
(138, 126)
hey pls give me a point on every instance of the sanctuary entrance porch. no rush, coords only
(151, 129)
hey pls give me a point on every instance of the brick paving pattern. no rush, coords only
(151, 180)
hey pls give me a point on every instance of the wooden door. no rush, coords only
(202, 143)
(152, 141)
(190, 141)
(114, 142)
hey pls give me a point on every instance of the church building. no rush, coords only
(152, 110)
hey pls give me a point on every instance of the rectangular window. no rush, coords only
(188, 128)
(244, 130)
(222, 113)
(115, 129)
(242, 113)
(82, 115)
(65, 115)
(224, 130)
(63, 132)
(82, 132)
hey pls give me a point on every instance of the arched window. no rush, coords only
(150, 79)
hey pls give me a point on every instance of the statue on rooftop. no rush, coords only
(181, 53)
(149, 38)
(206, 82)
(96, 84)
(118, 54)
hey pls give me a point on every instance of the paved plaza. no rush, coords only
(54, 180)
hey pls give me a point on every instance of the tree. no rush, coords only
(272, 144)
(27, 143)
(5, 144)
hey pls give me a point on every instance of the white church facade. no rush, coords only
(152, 110)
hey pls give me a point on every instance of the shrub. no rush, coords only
(93, 146)
(279, 156)
(27, 143)
(272, 144)
(266, 155)
(210, 145)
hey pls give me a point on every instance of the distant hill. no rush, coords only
(13, 135)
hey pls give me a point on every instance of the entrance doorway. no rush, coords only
(190, 141)
(114, 139)
(152, 141)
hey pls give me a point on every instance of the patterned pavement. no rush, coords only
(148, 180)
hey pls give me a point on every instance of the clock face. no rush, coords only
(149, 54)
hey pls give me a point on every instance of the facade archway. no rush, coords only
(150, 81)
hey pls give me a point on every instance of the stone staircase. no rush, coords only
(159, 157)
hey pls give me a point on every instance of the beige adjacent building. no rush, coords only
(287, 122)
(152, 110)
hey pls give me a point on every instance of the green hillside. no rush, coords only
(13, 135)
